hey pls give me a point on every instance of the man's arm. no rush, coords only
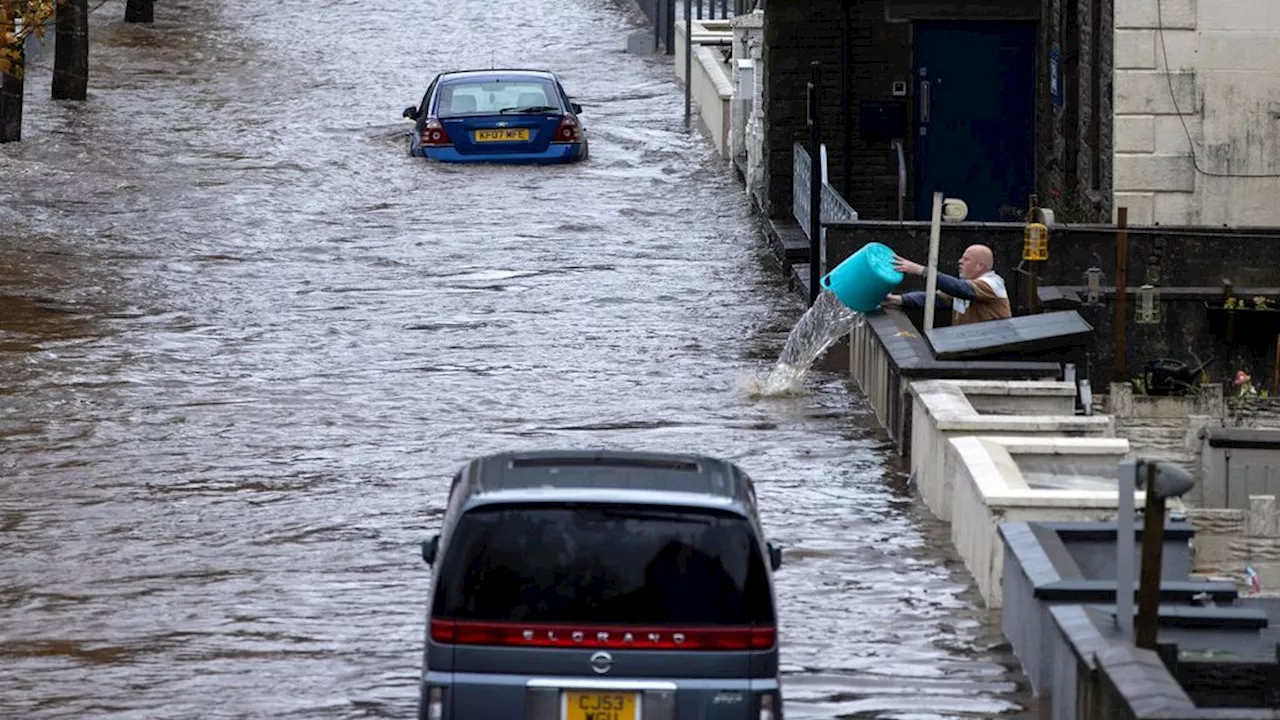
(916, 300)
(965, 289)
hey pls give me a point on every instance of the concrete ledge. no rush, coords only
(942, 409)
(990, 488)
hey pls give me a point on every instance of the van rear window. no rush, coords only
(604, 564)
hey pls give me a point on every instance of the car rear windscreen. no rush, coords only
(604, 564)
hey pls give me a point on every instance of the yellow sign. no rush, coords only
(599, 705)
(1035, 242)
(503, 135)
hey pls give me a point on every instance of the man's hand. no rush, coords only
(907, 267)
(892, 301)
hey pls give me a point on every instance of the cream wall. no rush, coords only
(1224, 69)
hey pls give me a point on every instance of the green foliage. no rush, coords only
(18, 20)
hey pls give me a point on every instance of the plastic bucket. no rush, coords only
(864, 278)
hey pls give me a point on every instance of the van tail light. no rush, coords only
(612, 637)
(766, 706)
(434, 134)
(570, 130)
(435, 704)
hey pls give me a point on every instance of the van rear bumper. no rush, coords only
(476, 695)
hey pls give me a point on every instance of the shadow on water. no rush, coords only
(245, 341)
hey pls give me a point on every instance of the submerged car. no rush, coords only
(582, 585)
(506, 116)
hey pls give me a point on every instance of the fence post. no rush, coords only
(669, 32)
(688, 62)
(815, 180)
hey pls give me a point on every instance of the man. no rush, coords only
(976, 296)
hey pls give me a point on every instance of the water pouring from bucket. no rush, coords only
(854, 287)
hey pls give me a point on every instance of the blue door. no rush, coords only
(975, 111)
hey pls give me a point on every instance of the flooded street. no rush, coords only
(245, 341)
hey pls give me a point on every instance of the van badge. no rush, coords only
(601, 662)
(502, 124)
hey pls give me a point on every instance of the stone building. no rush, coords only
(991, 100)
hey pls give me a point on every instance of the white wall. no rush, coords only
(1224, 68)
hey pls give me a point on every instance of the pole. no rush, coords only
(815, 181)
(1119, 370)
(688, 61)
(1127, 473)
(931, 282)
(846, 120)
(1147, 626)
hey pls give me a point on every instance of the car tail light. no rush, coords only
(570, 131)
(766, 707)
(453, 632)
(434, 134)
(435, 704)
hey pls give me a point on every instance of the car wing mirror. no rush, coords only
(775, 556)
(410, 112)
(430, 547)
(577, 109)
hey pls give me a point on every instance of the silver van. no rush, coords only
(585, 585)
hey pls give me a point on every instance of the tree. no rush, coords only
(11, 99)
(71, 51)
(139, 11)
(19, 19)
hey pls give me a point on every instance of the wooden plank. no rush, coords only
(1026, 333)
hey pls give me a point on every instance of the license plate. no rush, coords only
(600, 706)
(503, 135)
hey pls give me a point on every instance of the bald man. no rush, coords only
(977, 295)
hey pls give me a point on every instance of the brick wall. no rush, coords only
(798, 33)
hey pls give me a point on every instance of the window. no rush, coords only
(604, 564)
(492, 97)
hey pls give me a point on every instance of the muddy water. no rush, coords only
(245, 340)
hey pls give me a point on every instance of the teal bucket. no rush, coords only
(864, 278)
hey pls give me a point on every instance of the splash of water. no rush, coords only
(818, 329)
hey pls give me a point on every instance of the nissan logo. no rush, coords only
(601, 662)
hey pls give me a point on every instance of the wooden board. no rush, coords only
(1028, 333)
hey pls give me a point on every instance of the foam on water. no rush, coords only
(818, 329)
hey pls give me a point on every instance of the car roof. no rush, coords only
(496, 72)
(606, 475)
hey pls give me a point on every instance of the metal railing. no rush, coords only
(834, 208)
(662, 15)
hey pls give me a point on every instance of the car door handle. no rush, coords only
(924, 100)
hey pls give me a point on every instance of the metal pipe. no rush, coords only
(815, 180)
(902, 176)
(1119, 370)
(846, 119)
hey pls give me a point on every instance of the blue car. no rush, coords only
(502, 116)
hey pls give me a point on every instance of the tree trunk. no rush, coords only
(11, 106)
(71, 51)
(139, 11)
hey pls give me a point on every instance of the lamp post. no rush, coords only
(1161, 481)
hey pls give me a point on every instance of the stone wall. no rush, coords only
(1196, 84)
(1229, 540)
